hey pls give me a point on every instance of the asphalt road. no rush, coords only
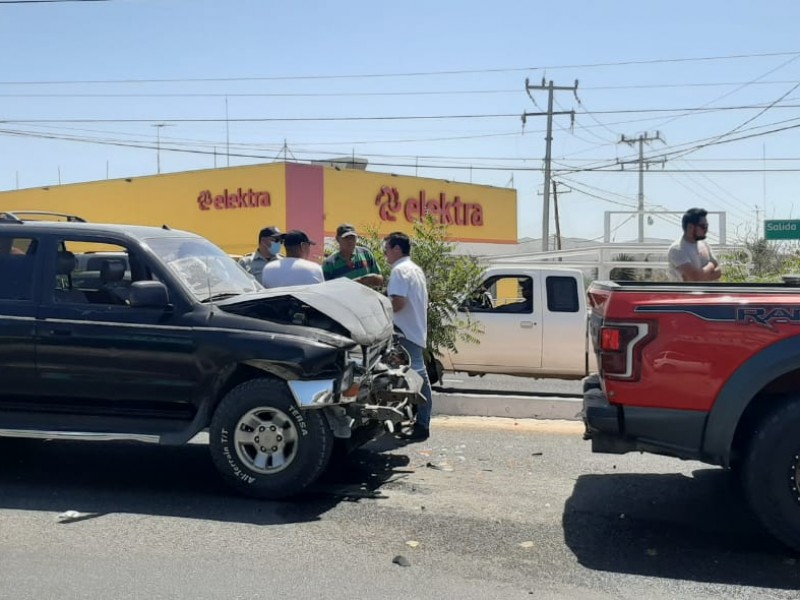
(497, 508)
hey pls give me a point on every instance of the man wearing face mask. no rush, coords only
(270, 242)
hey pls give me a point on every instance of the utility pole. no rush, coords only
(158, 127)
(227, 133)
(551, 89)
(759, 230)
(555, 207)
(643, 139)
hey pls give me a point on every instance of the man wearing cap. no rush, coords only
(352, 261)
(295, 269)
(269, 246)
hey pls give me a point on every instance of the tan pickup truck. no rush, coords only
(534, 322)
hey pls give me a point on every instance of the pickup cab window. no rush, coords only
(562, 294)
(17, 255)
(503, 294)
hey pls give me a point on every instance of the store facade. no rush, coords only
(229, 206)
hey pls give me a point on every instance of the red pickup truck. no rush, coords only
(703, 372)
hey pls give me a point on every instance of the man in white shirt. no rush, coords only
(690, 257)
(295, 269)
(408, 291)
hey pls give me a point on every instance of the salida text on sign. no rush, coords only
(416, 208)
(228, 200)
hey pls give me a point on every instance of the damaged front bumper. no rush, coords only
(386, 395)
(396, 402)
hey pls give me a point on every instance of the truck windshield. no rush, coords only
(203, 268)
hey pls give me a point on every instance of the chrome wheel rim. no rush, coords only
(266, 440)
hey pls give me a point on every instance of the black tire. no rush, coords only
(296, 447)
(771, 473)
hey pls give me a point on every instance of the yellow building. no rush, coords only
(229, 206)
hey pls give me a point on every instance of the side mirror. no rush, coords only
(149, 294)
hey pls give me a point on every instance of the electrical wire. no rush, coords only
(405, 74)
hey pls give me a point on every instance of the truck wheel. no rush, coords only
(263, 445)
(771, 473)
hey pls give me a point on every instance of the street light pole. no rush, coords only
(158, 127)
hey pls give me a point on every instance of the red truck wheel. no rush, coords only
(771, 473)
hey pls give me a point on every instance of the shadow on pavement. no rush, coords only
(696, 528)
(95, 479)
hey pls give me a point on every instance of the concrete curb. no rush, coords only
(513, 407)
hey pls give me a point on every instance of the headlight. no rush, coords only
(356, 355)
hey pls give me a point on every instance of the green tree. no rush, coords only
(451, 279)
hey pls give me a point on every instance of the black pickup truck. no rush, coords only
(112, 332)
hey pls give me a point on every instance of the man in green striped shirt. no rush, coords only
(352, 261)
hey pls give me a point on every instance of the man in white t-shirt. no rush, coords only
(295, 269)
(690, 257)
(408, 291)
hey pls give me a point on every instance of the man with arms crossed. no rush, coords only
(690, 257)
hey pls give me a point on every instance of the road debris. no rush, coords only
(401, 560)
(442, 466)
(71, 516)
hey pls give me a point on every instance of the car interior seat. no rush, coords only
(65, 265)
(112, 274)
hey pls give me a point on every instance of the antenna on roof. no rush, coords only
(165, 226)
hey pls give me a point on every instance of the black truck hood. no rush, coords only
(340, 306)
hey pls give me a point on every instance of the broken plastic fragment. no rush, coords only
(439, 467)
(412, 543)
(401, 560)
(67, 516)
(526, 544)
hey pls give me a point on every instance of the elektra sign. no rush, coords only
(416, 208)
(229, 200)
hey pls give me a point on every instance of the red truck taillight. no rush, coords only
(620, 348)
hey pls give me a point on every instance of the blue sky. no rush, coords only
(104, 73)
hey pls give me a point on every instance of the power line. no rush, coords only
(270, 119)
(45, 1)
(697, 144)
(497, 168)
(395, 117)
(750, 120)
(402, 74)
(466, 92)
(741, 87)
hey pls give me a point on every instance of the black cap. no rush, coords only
(270, 231)
(345, 230)
(295, 237)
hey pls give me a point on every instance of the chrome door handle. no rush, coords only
(526, 324)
